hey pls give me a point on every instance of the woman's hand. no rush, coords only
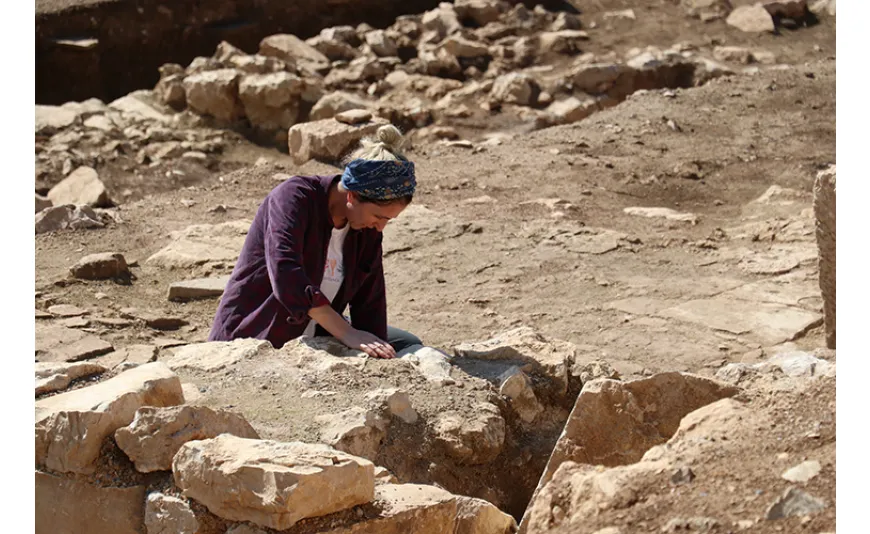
(368, 343)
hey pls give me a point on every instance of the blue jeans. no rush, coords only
(401, 339)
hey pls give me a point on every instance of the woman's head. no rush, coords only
(378, 179)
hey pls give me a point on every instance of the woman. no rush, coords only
(314, 248)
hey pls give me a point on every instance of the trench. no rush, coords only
(612, 423)
(108, 48)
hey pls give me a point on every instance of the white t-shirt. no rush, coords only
(333, 271)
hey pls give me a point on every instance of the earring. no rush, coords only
(349, 206)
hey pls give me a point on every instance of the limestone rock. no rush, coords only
(566, 42)
(461, 47)
(615, 423)
(826, 6)
(57, 376)
(577, 491)
(159, 321)
(356, 431)
(215, 355)
(396, 403)
(515, 88)
(363, 69)
(201, 288)
(707, 10)
(795, 502)
(257, 64)
(71, 427)
(383, 476)
(156, 434)
(443, 20)
(42, 202)
(202, 243)
(66, 310)
(336, 102)
(796, 364)
(345, 34)
(475, 440)
(751, 18)
(83, 186)
(768, 323)
(60, 344)
(60, 507)
(664, 213)
(50, 119)
(130, 356)
(482, 12)
(271, 101)
(420, 509)
(333, 49)
(170, 91)
(476, 516)
(141, 105)
(803, 472)
(101, 266)
(51, 383)
(269, 483)
(733, 53)
(165, 514)
(516, 386)
(551, 358)
(215, 93)
(354, 116)
(431, 363)
(382, 43)
(571, 109)
(825, 211)
(439, 62)
(328, 139)
(293, 51)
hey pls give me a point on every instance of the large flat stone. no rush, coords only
(615, 424)
(68, 506)
(49, 119)
(201, 288)
(270, 483)
(156, 434)
(60, 344)
(66, 217)
(215, 355)
(764, 322)
(550, 357)
(795, 290)
(327, 140)
(83, 186)
(57, 376)
(202, 243)
(71, 427)
(429, 510)
(165, 514)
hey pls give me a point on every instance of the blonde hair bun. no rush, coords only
(386, 145)
(391, 137)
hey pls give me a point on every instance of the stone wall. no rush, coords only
(825, 207)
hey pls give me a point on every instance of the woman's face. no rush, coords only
(362, 215)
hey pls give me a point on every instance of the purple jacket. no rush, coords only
(278, 274)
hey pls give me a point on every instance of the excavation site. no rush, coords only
(599, 238)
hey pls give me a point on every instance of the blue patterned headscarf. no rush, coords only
(380, 180)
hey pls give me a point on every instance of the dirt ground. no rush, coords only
(532, 232)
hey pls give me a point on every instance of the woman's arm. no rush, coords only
(288, 216)
(335, 324)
